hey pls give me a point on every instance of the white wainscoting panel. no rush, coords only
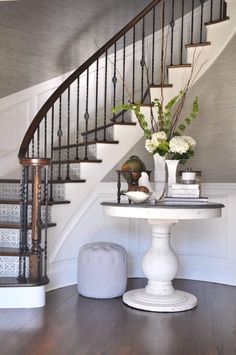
(206, 248)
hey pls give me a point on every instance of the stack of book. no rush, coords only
(185, 190)
(185, 193)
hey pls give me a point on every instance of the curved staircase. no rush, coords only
(74, 140)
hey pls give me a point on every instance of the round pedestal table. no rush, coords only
(160, 262)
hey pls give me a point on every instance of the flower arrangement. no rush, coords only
(164, 137)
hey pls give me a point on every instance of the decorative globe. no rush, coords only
(132, 168)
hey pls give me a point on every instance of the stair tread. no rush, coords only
(213, 22)
(15, 225)
(77, 161)
(107, 126)
(188, 65)
(89, 143)
(9, 251)
(15, 282)
(161, 86)
(202, 44)
(17, 181)
(17, 202)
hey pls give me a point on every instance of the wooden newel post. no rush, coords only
(36, 267)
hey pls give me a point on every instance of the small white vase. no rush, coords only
(171, 166)
(159, 176)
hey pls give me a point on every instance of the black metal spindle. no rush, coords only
(32, 146)
(77, 119)
(59, 135)
(105, 98)
(118, 185)
(153, 43)
(201, 21)
(68, 135)
(142, 62)
(52, 145)
(172, 25)
(133, 76)
(23, 243)
(162, 41)
(46, 220)
(96, 101)
(86, 116)
(211, 11)
(182, 33)
(221, 9)
(38, 141)
(45, 136)
(192, 22)
(123, 77)
(114, 80)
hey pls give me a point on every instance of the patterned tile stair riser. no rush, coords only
(9, 266)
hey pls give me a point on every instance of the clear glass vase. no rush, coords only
(159, 177)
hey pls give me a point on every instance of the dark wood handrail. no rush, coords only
(56, 94)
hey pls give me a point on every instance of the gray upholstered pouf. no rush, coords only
(102, 270)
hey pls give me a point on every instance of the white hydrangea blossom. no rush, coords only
(178, 145)
(156, 137)
(191, 142)
(149, 146)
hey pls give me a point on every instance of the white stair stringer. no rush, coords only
(61, 248)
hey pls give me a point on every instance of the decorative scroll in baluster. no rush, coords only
(59, 135)
(192, 21)
(86, 117)
(133, 77)
(77, 120)
(68, 136)
(142, 62)
(182, 33)
(172, 25)
(24, 223)
(105, 98)
(201, 20)
(114, 80)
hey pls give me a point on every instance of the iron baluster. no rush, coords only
(105, 98)
(46, 220)
(142, 62)
(172, 25)
(68, 135)
(133, 77)
(192, 22)
(23, 244)
(52, 145)
(211, 11)
(38, 141)
(114, 81)
(86, 117)
(123, 77)
(59, 135)
(162, 41)
(118, 185)
(182, 33)
(96, 102)
(77, 120)
(201, 21)
(153, 43)
(45, 136)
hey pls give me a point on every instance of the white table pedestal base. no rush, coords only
(160, 266)
(177, 302)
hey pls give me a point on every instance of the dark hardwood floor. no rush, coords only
(72, 324)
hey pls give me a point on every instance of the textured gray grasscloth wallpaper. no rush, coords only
(215, 127)
(40, 39)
